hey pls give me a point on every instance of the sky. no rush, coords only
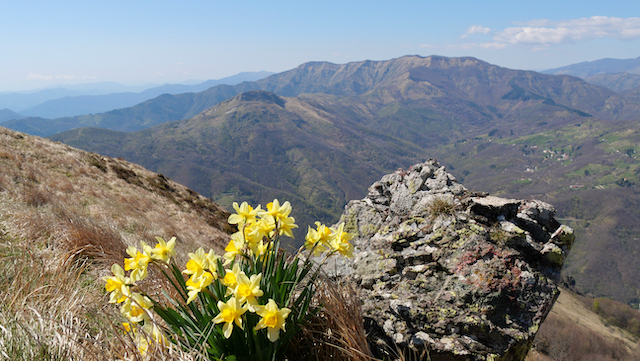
(136, 42)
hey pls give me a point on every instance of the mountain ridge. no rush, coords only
(375, 81)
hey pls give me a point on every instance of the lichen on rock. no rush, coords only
(466, 275)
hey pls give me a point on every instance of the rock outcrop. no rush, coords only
(465, 275)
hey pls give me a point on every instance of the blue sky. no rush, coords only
(136, 42)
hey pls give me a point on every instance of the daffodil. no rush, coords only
(195, 284)
(118, 285)
(261, 249)
(212, 261)
(245, 214)
(197, 263)
(252, 235)
(318, 239)
(339, 241)
(138, 262)
(273, 319)
(145, 337)
(163, 251)
(277, 211)
(265, 226)
(135, 308)
(234, 248)
(286, 226)
(247, 289)
(230, 278)
(230, 312)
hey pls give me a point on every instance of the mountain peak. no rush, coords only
(259, 96)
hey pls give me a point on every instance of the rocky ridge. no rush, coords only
(465, 275)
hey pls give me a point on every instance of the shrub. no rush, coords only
(248, 304)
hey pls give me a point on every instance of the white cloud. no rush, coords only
(476, 29)
(494, 45)
(542, 33)
(34, 76)
(555, 32)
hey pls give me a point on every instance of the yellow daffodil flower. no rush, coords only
(265, 226)
(230, 312)
(245, 214)
(286, 226)
(340, 241)
(138, 262)
(272, 319)
(197, 263)
(318, 239)
(212, 261)
(247, 289)
(261, 249)
(136, 307)
(145, 337)
(230, 278)
(117, 284)
(163, 251)
(195, 285)
(277, 211)
(234, 248)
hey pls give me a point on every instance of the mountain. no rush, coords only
(462, 89)
(617, 82)
(602, 66)
(66, 215)
(70, 106)
(512, 133)
(258, 146)
(151, 112)
(8, 114)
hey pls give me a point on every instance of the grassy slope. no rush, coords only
(65, 216)
(572, 331)
(257, 147)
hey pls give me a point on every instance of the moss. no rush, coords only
(555, 255)
(351, 222)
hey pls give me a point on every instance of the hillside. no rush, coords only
(512, 133)
(465, 89)
(8, 114)
(617, 82)
(258, 146)
(572, 331)
(66, 216)
(60, 198)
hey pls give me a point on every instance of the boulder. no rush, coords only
(465, 275)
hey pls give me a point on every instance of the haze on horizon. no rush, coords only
(145, 42)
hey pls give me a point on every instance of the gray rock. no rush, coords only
(465, 275)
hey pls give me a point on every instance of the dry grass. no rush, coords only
(442, 205)
(337, 332)
(63, 222)
(67, 215)
(574, 332)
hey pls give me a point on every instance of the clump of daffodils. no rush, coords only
(246, 304)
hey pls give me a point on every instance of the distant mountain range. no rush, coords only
(8, 114)
(440, 79)
(319, 134)
(602, 66)
(616, 74)
(87, 99)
